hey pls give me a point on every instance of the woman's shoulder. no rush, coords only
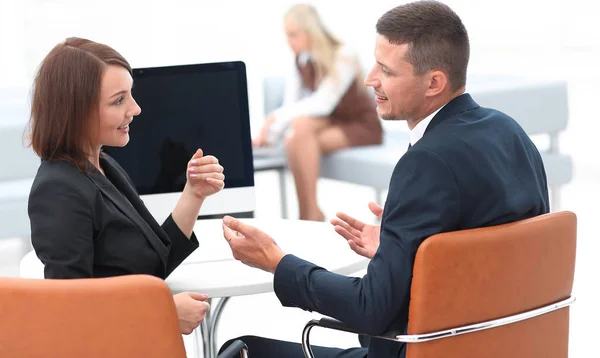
(58, 168)
(60, 175)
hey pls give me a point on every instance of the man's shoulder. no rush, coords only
(475, 130)
(473, 123)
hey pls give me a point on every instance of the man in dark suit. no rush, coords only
(467, 167)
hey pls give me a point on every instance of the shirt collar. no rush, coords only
(419, 130)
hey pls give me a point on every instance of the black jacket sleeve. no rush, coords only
(62, 231)
(181, 246)
(423, 200)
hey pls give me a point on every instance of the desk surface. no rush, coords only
(211, 269)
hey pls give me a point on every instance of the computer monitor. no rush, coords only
(185, 108)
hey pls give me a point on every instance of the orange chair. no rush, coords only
(126, 316)
(493, 292)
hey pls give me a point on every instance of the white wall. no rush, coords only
(507, 36)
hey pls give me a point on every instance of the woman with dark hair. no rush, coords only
(87, 219)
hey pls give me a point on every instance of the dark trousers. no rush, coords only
(259, 347)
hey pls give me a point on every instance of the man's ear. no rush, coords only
(438, 82)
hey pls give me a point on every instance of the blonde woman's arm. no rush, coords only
(293, 86)
(271, 131)
(320, 103)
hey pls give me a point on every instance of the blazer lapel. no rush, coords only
(123, 201)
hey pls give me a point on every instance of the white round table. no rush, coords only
(211, 269)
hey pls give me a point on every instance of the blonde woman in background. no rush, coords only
(326, 106)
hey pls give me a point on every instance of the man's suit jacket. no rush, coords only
(474, 167)
(90, 225)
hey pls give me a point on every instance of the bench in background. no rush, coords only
(540, 106)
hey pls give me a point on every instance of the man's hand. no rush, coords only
(362, 238)
(251, 246)
(191, 310)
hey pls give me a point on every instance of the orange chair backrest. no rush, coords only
(127, 316)
(471, 276)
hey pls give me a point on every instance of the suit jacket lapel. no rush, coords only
(125, 201)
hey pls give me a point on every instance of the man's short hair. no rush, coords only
(436, 37)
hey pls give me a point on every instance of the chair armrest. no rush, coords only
(235, 349)
(417, 338)
(335, 325)
(340, 326)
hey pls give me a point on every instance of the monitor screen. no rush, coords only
(185, 108)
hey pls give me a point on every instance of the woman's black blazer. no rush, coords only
(87, 225)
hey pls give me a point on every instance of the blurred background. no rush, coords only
(558, 39)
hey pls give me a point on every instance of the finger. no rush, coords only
(349, 236)
(206, 177)
(206, 306)
(358, 249)
(207, 168)
(201, 310)
(338, 222)
(215, 179)
(237, 225)
(345, 234)
(199, 153)
(198, 296)
(376, 209)
(197, 162)
(232, 234)
(237, 234)
(357, 224)
(219, 184)
(215, 176)
(228, 234)
(206, 160)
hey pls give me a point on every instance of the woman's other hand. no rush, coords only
(191, 309)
